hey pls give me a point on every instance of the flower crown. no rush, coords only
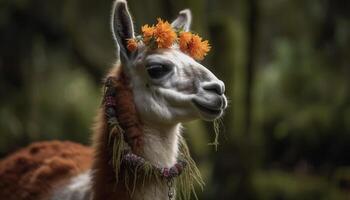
(163, 35)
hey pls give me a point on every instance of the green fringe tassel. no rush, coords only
(216, 124)
(116, 134)
(185, 183)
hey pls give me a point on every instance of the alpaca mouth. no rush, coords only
(209, 112)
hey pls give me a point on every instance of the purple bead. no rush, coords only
(179, 167)
(174, 170)
(109, 101)
(166, 172)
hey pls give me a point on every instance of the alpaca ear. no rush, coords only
(183, 21)
(122, 27)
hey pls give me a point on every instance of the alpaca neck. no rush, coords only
(161, 144)
(161, 149)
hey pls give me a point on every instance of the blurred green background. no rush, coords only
(285, 63)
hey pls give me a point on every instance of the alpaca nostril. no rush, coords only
(223, 87)
(217, 87)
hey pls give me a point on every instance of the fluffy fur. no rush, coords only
(78, 188)
(32, 172)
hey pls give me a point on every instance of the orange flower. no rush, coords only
(184, 40)
(132, 44)
(165, 34)
(193, 45)
(199, 48)
(147, 32)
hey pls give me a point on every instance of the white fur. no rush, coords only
(161, 145)
(78, 188)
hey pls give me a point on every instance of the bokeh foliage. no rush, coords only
(285, 63)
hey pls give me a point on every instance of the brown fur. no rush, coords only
(104, 182)
(126, 110)
(32, 172)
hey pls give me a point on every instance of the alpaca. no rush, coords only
(151, 92)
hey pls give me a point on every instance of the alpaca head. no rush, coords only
(168, 85)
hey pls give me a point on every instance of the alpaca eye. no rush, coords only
(157, 71)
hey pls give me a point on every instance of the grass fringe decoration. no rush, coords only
(185, 183)
(119, 145)
(217, 124)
